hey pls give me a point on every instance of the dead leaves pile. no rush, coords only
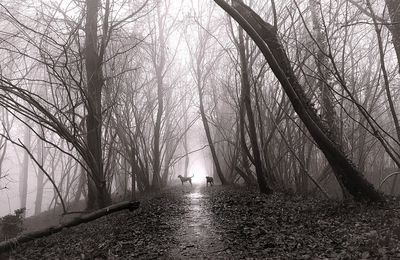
(248, 225)
(280, 226)
(146, 233)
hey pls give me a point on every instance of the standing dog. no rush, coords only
(185, 179)
(209, 180)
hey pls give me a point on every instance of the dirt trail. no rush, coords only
(184, 222)
(197, 235)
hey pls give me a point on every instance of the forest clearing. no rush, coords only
(199, 129)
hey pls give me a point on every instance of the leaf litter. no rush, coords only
(229, 222)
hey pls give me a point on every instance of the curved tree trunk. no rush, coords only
(266, 38)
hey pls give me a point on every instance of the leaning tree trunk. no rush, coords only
(101, 197)
(266, 38)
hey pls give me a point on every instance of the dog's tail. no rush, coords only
(192, 176)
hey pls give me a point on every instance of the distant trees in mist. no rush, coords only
(299, 97)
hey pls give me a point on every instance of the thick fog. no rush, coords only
(122, 98)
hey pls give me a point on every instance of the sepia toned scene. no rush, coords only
(199, 129)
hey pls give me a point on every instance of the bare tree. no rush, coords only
(266, 38)
(201, 69)
(246, 102)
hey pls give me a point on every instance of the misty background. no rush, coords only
(129, 113)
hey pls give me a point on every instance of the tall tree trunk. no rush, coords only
(245, 95)
(101, 197)
(185, 142)
(133, 184)
(121, 177)
(266, 38)
(187, 158)
(328, 112)
(246, 173)
(242, 140)
(157, 132)
(169, 153)
(23, 177)
(40, 177)
(208, 134)
(126, 174)
(3, 140)
(159, 64)
(81, 184)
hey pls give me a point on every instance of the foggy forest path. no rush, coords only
(198, 236)
(185, 222)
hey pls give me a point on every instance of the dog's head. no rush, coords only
(180, 176)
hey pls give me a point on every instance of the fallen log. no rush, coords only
(14, 242)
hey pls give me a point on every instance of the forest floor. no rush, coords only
(228, 223)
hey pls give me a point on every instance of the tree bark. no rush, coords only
(40, 177)
(23, 178)
(101, 197)
(159, 69)
(81, 184)
(266, 38)
(328, 112)
(246, 173)
(185, 142)
(209, 138)
(245, 95)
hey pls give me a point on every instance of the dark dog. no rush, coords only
(209, 180)
(185, 179)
